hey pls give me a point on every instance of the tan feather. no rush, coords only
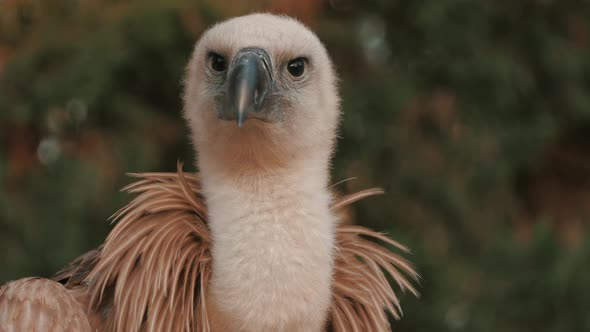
(36, 304)
(154, 257)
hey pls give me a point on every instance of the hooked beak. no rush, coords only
(249, 83)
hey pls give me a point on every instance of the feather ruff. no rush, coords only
(152, 272)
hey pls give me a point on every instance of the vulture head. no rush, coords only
(260, 93)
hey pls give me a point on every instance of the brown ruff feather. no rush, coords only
(152, 271)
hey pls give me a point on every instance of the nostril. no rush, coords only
(256, 98)
(264, 86)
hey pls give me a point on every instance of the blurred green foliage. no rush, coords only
(474, 116)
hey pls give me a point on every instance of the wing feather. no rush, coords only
(43, 305)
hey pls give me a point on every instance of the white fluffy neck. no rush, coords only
(273, 236)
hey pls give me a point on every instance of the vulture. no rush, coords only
(252, 242)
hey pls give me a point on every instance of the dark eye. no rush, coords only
(296, 67)
(216, 62)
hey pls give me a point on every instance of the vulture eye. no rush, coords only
(216, 62)
(296, 67)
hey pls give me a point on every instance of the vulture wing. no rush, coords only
(152, 271)
(36, 304)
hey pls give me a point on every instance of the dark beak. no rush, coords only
(249, 82)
